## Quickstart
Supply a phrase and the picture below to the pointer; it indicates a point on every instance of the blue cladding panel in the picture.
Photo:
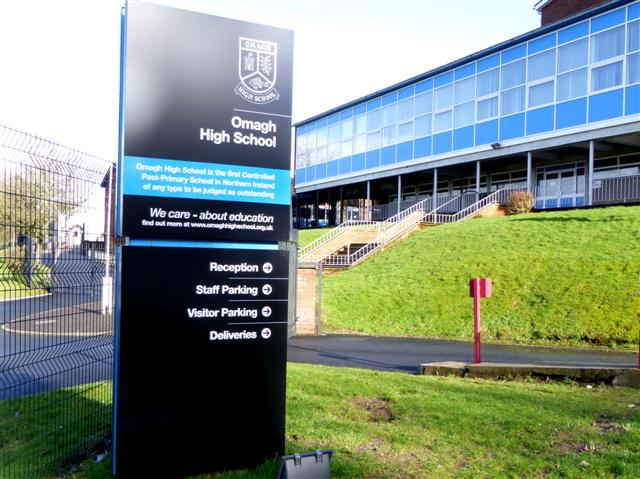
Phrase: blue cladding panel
(442, 142)
(540, 120)
(321, 171)
(579, 200)
(373, 159)
(632, 102)
(607, 20)
(422, 147)
(573, 33)
(346, 114)
(301, 130)
(322, 122)
(333, 168)
(345, 165)
(360, 109)
(487, 132)
(425, 85)
(335, 118)
(514, 53)
(542, 43)
(311, 173)
(489, 63)
(373, 104)
(388, 155)
(405, 92)
(605, 105)
(405, 151)
(571, 113)
(357, 162)
(551, 204)
(465, 71)
(443, 79)
(390, 98)
(300, 175)
(634, 12)
(512, 126)
(463, 138)
(311, 126)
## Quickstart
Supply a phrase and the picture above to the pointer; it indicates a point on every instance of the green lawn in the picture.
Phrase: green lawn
(307, 236)
(14, 285)
(393, 425)
(567, 278)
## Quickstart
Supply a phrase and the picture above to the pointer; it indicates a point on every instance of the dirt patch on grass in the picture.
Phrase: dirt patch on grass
(379, 409)
(606, 424)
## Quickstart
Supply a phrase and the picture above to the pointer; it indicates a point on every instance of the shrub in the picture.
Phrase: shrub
(520, 202)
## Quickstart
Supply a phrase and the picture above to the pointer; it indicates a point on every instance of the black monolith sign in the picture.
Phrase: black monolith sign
(202, 296)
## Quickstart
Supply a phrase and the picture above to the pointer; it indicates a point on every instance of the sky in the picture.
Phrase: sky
(60, 59)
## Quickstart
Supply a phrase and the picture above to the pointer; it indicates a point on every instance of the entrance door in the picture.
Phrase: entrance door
(560, 188)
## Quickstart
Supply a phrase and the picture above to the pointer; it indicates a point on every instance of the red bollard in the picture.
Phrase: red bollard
(480, 288)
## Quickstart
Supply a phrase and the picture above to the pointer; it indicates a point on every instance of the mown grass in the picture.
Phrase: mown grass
(569, 278)
(447, 427)
(14, 284)
(307, 236)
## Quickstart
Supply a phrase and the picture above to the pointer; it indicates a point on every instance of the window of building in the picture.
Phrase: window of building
(359, 144)
(405, 109)
(334, 132)
(443, 121)
(346, 148)
(607, 44)
(444, 97)
(513, 74)
(311, 140)
(373, 141)
(389, 115)
(333, 152)
(423, 126)
(322, 136)
(633, 68)
(488, 108)
(311, 156)
(322, 154)
(572, 55)
(373, 120)
(606, 76)
(488, 82)
(424, 103)
(572, 85)
(405, 131)
(463, 114)
(541, 94)
(389, 135)
(512, 101)
(360, 124)
(542, 65)
(464, 90)
(633, 36)
(346, 131)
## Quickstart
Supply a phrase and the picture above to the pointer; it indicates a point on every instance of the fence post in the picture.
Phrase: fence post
(319, 299)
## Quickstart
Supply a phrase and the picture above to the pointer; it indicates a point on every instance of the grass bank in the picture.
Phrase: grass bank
(14, 284)
(395, 425)
(567, 278)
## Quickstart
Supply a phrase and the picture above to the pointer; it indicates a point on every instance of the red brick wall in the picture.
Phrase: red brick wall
(559, 9)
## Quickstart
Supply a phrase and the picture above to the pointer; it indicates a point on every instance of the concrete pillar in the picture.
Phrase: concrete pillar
(316, 208)
(589, 175)
(399, 192)
(529, 172)
(434, 202)
(477, 180)
(341, 206)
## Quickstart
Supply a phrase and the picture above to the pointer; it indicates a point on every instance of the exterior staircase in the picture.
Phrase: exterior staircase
(354, 241)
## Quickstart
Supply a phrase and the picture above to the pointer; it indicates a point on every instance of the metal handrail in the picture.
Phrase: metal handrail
(330, 235)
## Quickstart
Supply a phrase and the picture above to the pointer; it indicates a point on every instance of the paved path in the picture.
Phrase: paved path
(406, 354)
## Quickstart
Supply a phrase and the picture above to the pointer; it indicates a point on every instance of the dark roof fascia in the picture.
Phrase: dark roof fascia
(473, 57)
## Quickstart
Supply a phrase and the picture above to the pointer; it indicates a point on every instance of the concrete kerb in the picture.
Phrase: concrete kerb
(614, 376)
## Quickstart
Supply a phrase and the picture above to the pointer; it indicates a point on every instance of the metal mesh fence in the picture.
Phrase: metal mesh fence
(56, 338)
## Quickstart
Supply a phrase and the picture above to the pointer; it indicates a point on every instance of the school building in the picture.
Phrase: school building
(556, 110)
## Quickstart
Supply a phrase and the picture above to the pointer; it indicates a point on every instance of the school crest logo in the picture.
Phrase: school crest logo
(257, 70)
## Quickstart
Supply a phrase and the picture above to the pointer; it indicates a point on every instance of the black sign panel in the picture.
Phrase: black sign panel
(201, 360)
(207, 121)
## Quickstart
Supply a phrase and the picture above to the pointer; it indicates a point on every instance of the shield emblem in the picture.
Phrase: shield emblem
(257, 65)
